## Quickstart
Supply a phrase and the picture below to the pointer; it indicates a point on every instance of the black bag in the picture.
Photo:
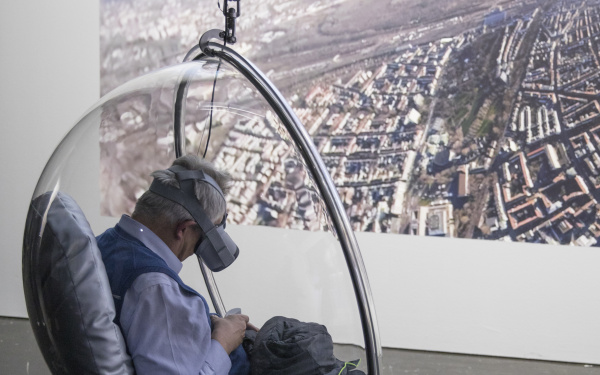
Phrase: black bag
(286, 346)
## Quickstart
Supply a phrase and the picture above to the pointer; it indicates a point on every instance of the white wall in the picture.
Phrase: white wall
(433, 294)
(486, 297)
(49, 75)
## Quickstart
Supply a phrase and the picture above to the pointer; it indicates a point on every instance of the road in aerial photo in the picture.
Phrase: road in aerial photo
(470, 119)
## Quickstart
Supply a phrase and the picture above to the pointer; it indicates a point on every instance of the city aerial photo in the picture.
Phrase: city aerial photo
(470, 119)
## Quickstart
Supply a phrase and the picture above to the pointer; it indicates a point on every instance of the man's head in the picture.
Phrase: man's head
(166, 212)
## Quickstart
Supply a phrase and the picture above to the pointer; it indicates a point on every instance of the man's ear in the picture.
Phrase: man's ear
(182, 227)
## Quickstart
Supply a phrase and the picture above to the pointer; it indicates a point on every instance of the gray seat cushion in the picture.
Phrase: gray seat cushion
(67, 292)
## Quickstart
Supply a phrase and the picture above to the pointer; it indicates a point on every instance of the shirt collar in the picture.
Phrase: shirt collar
(151, 240)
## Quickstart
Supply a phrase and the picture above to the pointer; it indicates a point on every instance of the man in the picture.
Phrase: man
(166, 323)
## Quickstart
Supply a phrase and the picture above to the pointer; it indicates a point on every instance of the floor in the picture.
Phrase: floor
(19, 354)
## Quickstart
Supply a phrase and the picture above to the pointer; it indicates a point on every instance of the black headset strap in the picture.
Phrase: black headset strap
(190, 204)
(188, 177)
(186, 196)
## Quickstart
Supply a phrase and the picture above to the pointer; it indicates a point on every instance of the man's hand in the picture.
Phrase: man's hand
(230, 331)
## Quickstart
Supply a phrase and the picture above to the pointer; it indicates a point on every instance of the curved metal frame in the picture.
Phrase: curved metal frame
(323, 180)
(179, 144)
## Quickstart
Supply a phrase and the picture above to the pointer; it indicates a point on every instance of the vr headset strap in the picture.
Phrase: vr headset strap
(193, 207)
(186, 176)
(189, 203)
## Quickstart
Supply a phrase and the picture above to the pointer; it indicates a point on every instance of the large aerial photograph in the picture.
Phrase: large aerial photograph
(473, 119)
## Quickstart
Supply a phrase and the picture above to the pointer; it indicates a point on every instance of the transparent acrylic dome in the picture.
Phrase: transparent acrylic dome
(291, 262)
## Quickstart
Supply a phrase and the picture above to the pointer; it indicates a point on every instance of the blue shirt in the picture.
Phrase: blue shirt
(166, 330)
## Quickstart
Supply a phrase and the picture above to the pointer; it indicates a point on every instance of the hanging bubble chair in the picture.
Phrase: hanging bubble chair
(298, 255)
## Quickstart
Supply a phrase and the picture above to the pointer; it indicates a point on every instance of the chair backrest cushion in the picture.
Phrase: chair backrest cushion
(68, 295)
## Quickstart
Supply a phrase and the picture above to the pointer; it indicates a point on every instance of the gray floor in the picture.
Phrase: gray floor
(19, 354)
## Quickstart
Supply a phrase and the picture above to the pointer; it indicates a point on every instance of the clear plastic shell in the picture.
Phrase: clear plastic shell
(291, 262)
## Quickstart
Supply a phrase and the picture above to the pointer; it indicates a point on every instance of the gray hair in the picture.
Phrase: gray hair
(154, 208)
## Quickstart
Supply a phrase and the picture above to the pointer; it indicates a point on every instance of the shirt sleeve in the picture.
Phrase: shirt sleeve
(167, 330)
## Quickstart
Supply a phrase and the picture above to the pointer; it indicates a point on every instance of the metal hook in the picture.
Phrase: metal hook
(230, 15)
(207, 37)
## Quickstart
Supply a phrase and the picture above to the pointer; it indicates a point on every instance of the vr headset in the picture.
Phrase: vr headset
(217, 250)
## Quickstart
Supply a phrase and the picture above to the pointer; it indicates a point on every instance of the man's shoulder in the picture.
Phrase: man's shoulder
(116, 236)
(126, 251)
(126, 260)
